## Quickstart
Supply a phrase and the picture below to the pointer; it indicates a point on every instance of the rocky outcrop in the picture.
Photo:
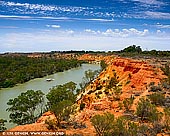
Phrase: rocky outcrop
(133, 76)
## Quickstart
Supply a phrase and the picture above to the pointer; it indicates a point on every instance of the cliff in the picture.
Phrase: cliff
(132, 77)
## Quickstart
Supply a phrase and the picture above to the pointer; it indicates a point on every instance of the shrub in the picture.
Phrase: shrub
(147, 111)
(127, 103)
(103, 123)
(2, 125)
(82, 106)
(51, 124)
(117, 92)
(167, 118)
(155, 88)
(79, 125)
(157, 99)
(106, 125)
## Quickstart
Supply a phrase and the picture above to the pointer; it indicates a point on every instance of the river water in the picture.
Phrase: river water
(75, 75)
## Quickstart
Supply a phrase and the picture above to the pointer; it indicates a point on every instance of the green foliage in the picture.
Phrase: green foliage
(154, 88)
(82, 106)
(167, 118)
(146, 111)
(107, 125)
(166, 70)
(124, 127)
(103, 64)
(27, 107)
(89, 76)
(115, 87)
(60, 93)
(127, 103)
(157, 98)
(112, 83)
(51, 124)
(133, 48)
(71, 86)
(21, 69)
(62, 111)
(117, 92)
(103, 123)
(60, 101)
(2, 125)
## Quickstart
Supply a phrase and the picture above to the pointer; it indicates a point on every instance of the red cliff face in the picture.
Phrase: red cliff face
(133, 76)
(138, 74)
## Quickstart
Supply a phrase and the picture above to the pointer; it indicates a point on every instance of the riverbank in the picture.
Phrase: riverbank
(20, 69)
(74, 74)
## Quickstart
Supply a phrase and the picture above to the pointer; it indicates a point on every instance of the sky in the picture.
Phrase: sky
(99, 25)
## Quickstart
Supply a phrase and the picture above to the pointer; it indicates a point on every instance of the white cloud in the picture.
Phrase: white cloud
(54, 18)
(54, 10)
(158, 31)
(151, 2)
(91, 31)
(162, 26)
(53, 26)
(98, 19)
(157, 15)
(66, 40)
(119, 33)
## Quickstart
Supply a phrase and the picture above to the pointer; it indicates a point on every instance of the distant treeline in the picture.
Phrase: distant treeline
(136, 50)
(14, 70)
(128, 51)
(78, 52)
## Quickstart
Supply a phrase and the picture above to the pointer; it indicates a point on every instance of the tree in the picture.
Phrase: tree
(115, 87)
(89, 76)
(107, 125)
(157, 98)
(166, 70)
(60, 101)
(124, 127)
(71, 86)
(103, 64)
(27, 107)
(132, 49)
(167, 118)
(147, 111)
(128, 103)
(62, 111)
(22, 68)
(112, 83)
(103, 123)
(2, 125)
(58, 94)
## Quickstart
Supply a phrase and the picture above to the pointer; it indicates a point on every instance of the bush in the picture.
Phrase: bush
(155, 89)
(51, 124)
(157, 99)
(27, 107)
(82, 106)
(128, 103)
(147, 111)
(167, 118)
(103, 123)
(2, 125)
(106, 125)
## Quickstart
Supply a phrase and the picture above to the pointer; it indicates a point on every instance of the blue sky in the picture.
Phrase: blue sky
(34, 25)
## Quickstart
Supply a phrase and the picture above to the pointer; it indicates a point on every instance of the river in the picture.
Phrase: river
(74, 74)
